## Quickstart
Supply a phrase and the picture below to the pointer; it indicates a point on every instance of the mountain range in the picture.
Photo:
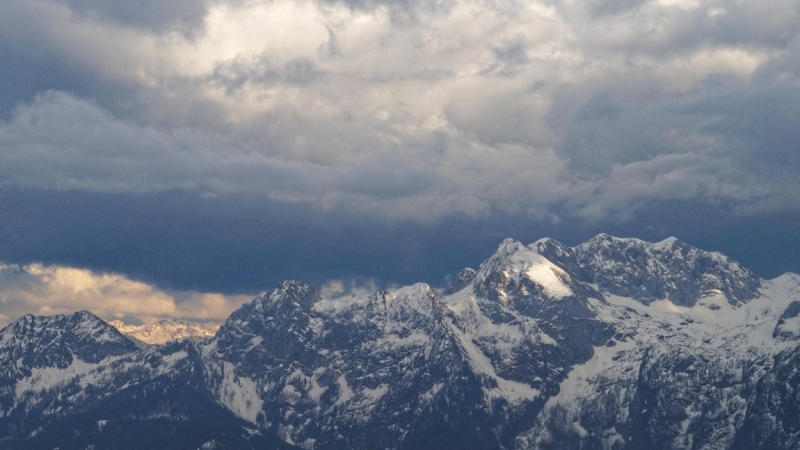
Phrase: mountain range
(612, 344)
(166, 330)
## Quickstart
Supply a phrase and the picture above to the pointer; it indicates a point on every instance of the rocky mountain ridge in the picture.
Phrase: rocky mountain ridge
(166, 330)
(612, 344)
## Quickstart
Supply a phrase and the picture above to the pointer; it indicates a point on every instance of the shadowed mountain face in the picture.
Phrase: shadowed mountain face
(613, 344)
(80, 383)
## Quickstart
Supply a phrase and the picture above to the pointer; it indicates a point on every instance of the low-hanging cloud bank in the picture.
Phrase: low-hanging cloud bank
(47, 290)
(415, 110)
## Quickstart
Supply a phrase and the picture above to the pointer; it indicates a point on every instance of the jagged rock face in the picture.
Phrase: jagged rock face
(773, 416)
(272, 328)
(686, 399)
(645, 271)
(522, 293)
(153, 398)
(376, 369)
(462, 280)
(335, 371)
(788, 326)
(613, 344)
(34, 348)
(691, 378)
(41, 342)
(672, 400)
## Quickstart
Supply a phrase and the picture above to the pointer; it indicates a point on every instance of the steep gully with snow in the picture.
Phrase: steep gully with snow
(613, 344)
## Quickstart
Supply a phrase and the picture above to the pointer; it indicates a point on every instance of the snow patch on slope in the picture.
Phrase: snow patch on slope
(711, 328)
(582, 379)
(345, 392)
(240, 394)
(545, 273)
(514, 392)
(47, 378)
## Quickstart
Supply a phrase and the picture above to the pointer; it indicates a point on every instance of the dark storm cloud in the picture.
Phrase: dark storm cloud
(227, 145)
(759, 126)
(731, 132)
(382, 181)
(233, 244)
(62, 142)
(243, 245)
(24, 74)
(326, 131)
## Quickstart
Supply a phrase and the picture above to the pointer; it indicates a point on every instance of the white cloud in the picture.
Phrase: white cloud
(342, 288)
(47, 290)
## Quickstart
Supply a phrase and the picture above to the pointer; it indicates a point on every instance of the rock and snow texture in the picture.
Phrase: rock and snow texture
(613, 344)
(681, 372)
(788, 326)
(57, 342)
(166, 330)
(339, 373)
(669, 269)
(74, 382)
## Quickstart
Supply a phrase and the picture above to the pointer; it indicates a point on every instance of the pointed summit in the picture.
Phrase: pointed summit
(514, 265)
(289, 295)
(33, 342)
(274, 326)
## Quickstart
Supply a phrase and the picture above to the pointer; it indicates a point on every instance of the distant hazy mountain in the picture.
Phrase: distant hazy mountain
(166, 330)
(613, 344)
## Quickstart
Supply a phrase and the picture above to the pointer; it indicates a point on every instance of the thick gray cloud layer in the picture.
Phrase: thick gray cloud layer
(402, 112)
(461, 108)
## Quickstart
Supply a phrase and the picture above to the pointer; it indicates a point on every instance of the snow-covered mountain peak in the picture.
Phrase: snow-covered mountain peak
(288, 295)
(611, 247)
(420, 297)
(74, 329)
(508, 246)
(513, 266)
(269, 328)
(786, 279)
(616, 344)
(669, 242)
(668, 269)
(33, 342)
(548, 246)
(166, 330)
(607, 239)
(290, 303)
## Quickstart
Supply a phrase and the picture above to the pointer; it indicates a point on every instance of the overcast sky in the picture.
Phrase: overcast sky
(197, 152)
